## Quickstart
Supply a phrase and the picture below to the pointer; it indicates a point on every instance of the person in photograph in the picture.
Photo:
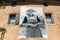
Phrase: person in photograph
(33, 24)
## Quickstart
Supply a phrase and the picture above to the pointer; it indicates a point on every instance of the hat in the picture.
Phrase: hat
(31, 10)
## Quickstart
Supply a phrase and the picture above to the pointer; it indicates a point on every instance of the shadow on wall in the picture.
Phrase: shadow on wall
(2, 30)
(4, 3)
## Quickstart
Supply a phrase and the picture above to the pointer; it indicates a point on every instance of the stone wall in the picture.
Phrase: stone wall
(12, 30)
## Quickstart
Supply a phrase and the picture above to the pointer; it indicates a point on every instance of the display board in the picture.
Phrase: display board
(32, 23)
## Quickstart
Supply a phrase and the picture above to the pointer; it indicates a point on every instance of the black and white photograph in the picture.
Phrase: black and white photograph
(32, 23)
